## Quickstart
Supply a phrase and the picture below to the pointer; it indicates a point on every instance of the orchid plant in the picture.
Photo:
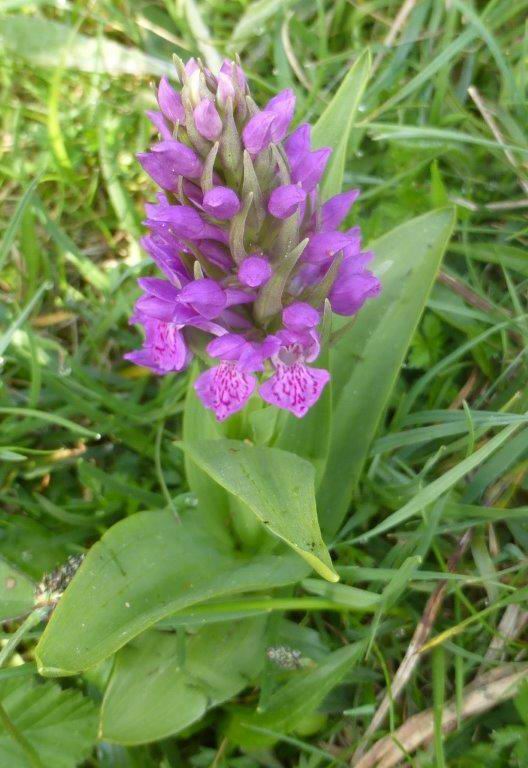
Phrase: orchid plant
(257, 280)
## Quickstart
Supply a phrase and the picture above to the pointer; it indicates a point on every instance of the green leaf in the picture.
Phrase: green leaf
(301, 695)
(277, 486)
(59, 726)
(158, 687)
(145, 568)
(48, 44)
(17, 592)
(334, 127)
(367, 359)
(16, 219)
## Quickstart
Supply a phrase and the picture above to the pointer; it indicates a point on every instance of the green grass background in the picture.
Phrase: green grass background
(86, 439)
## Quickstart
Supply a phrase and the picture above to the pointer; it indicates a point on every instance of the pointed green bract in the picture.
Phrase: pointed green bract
(276, 485)
(367, 359)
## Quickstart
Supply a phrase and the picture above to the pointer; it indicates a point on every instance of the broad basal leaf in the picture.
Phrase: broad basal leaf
(59, 726)
(17, 592)
(145, 568)
(276, 485)
(367, 359)
(160, 686)
(334, 127)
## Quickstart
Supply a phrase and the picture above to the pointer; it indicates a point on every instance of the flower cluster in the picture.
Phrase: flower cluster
(249, 253)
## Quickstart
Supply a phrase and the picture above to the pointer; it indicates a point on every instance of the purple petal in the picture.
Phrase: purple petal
(300, 316)
(294, 387)
(216, 253)
(226, 347)
(297, 145)
(285, 201)
(191, 67)
(234, 72)
(185, 221)
(324, 245)
(156, 308)
(170, 102)
(236, 296)
(205, 296)
(309, 168)
(221, 202)
(167, 345)
(166, 259)
(353, 286)
(225, 89)
(282, 106)
(254, 271)
(224, 389)
(182, 159)
(254, 354)
(162, 289)
(257, 133)
(207, 120)
(159, 122)
(334, 210)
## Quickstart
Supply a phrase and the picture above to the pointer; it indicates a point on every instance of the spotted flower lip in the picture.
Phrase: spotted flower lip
(249, 256)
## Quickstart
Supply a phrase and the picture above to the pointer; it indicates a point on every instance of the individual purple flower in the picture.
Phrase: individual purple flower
(207, 120)
(254, 271)
(285, 201)
(251, 258)
(221, 202)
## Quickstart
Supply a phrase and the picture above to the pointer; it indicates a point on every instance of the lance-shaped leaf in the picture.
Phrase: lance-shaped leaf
(334, 127)
(276, 485)
(160, 685)
(145, 568)
(368, 357)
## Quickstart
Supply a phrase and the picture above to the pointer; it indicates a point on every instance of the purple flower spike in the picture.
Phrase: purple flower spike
(224, 389)
(221, 202)
(207, 120)
(241, 196)
(254, 271)
(285, 201)
(170, 102)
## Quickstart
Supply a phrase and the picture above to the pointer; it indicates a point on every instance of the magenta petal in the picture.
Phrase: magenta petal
(180, 159)
(185, 221)
(352, 289)
(285, 201)
(159, 122)
(207, 120)
(205, 296)
(224, 389)
(226, 347)
(309, 168)
(167, 346)
(300, 316)
(221, 202)
(297, 145)
(334, 210)
(254, 271)
(225, 89)
(257, 133)
(282, 106)
(294, 387)
(170, 102)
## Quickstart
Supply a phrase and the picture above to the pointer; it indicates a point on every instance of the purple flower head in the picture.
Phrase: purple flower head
(247, 252)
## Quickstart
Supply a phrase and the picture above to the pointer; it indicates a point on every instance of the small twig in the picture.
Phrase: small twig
(290, 54)
(412, 655)
(512, 623)
(465, 392)
(395, 29)
(485, 692)
(494, 128)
